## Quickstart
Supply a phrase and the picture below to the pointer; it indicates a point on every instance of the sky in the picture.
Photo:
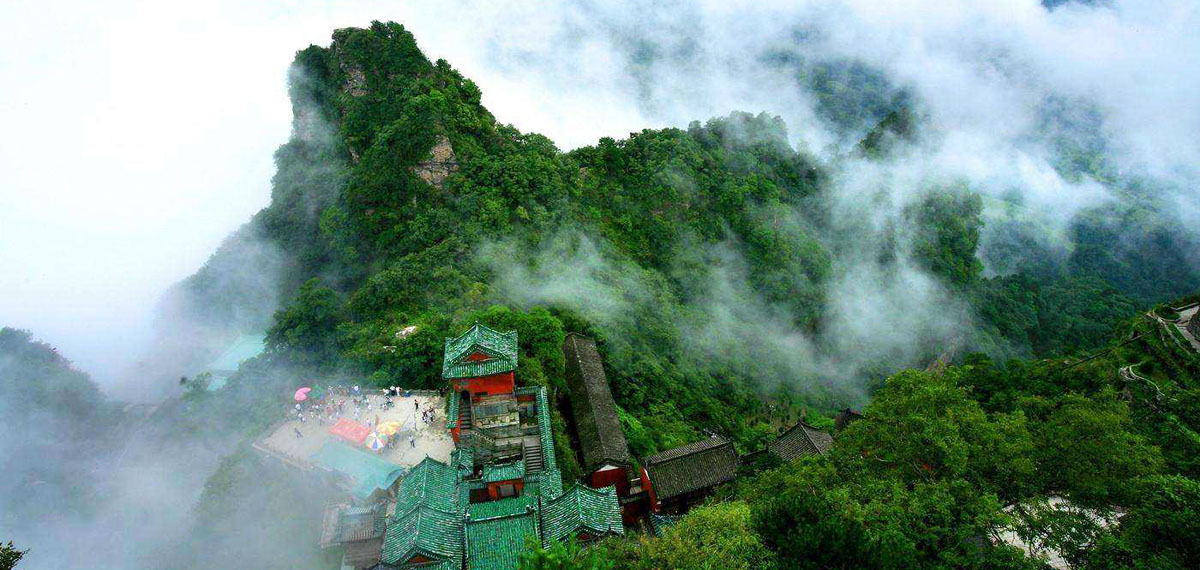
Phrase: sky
(137, 134)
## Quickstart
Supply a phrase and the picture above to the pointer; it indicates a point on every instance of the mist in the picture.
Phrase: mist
(139, 140)
(174, 165)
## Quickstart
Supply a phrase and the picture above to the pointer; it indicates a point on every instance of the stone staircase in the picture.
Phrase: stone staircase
(533, 457)
(464, 414)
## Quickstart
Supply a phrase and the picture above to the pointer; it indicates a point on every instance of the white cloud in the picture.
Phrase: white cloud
(138, 134)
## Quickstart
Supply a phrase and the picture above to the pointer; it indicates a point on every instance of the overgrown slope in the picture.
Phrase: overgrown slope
(701, 258)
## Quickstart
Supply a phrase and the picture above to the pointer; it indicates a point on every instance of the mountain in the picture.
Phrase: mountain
(1015, 377)
(708, 260)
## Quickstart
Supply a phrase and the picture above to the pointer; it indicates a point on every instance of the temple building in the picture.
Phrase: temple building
(845, 418)
(605, 455)
(500, 489)
(244, 348)
(798, 441)
(679, 478)
(358, 529)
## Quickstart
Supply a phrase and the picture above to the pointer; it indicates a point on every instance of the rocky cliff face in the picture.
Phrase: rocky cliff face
(441, 164)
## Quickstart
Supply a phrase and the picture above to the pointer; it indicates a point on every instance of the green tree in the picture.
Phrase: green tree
(10, 556)
(923, 427)
(1085, 448)
(563, 556)
(306, 330)
(711, 537)
(947, 224)
(1161, 532)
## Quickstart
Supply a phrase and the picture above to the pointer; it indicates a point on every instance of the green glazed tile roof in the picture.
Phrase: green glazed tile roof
(423, 531)
(244, 348)
(366, 472)
(493, 473)
(446, 564)
(500, 347)
(463, 459)
(452, 403)
(358, 523)
(546, 434)
(430, 483)
(497, 543)
(582, 509)
(547, 484)
(502, 508)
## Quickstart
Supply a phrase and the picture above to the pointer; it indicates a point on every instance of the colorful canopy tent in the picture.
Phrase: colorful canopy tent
(376, 442)
(244, 348)
(366, 473)
(350, 431)
(302, 394)
(388, 428)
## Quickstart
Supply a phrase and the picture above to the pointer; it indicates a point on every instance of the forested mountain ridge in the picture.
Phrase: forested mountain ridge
(400, 201)
(725, 275)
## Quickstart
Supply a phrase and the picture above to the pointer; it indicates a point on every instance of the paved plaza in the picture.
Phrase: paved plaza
(431, 439)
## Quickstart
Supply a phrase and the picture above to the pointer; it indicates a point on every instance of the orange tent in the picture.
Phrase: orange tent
(351, 431)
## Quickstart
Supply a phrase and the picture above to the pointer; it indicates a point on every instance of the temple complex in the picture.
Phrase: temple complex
(478, 486)
(500, 491)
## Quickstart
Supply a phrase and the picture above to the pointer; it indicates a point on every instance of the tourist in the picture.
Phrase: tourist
(298, 434)
(412, 442)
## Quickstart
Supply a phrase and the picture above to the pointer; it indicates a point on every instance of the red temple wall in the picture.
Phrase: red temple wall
(616, 477)
(502, 383)
(650, 489)
(493, 489)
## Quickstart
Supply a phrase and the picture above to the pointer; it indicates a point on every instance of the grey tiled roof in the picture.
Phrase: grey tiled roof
(592, 404)
(695, 466)
(800, 440)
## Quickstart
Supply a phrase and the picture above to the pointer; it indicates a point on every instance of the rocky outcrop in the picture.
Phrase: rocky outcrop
(356, 81)
(440, 165)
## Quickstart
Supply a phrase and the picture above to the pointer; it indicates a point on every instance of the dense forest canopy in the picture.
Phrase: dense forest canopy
(736, 282)
(709, 261)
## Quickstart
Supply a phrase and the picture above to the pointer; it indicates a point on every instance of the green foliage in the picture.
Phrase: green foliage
(1052, 316)
(710, 537)
(353, 203)
(924, 427)
(288, 509)
(672, 218)
(10, 556)
(563, 556)
(48, 404)
(1162, 531)
(305, 330)
(1140, 250)
(948, 225)
(1075, 434)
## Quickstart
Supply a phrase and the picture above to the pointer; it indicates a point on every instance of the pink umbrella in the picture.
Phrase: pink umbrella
(302, 394)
